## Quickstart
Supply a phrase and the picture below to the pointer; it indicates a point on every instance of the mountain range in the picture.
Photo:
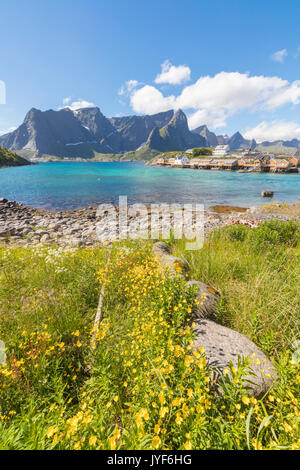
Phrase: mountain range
(87, 133)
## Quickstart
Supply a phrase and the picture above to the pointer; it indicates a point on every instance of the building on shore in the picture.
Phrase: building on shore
(194, 162)
(181, 159)
(280, 163)
(255, 162)
(162, 161)
(224, 163)
(221, 151)
(249, 153)
(295, 161)
(205, 163)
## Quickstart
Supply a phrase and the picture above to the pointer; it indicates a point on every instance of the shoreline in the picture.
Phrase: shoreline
(236, 169)
(23, 225)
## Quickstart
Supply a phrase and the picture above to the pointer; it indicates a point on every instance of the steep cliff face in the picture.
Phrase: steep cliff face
(175, 135)
(237, 142)
(46, 132)
(65, 132)
(81, 133)
(135, 130)
(210, 138)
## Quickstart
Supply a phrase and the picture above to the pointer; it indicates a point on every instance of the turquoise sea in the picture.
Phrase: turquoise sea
(69, 185)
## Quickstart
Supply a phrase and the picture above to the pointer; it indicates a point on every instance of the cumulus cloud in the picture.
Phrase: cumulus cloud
(67, 100)
(173, 75)
(128, 88)
(297, 53)
(79, 104)
(279, 56)
(215, 98)
(7, 130)
(274, 130)
(149, 100)
(214, 118)
(2, 92)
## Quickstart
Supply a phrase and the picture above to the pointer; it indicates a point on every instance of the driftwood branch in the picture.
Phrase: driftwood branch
(98, 317)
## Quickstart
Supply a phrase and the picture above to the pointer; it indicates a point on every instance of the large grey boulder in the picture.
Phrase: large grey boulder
(222, 345)
(161, 248)
(207, 300)
(171, 265)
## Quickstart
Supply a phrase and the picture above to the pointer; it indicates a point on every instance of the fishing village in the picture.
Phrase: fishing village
(247, 160)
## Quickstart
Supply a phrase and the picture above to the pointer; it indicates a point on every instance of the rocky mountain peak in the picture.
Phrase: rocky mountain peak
(179, 119)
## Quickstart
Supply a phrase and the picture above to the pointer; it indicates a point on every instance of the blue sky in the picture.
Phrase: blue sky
(234, 64)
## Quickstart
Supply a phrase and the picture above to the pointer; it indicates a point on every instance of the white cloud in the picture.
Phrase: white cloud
(128, 88)
(149, 100)
(214, 118)
(215, 98)
(2, 92)
(279, 56)
(67, 100)
(274, 130)
(297, 53)
(7, 130)
(79, 104)
(172, 74)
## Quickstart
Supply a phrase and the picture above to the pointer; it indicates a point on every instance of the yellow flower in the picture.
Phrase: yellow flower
(117, 433)
(245, 400)
(163, 411)
(178, 419)
(92, 440)
(112, 443)
(188, 361)
(157, 429)
(187, 445)
(287, 427)
(156, 442)
(51, 431)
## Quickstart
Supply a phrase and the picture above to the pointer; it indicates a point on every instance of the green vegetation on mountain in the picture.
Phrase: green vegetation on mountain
(142, 154)
(8, 158)
(202, 151)
(276, 148)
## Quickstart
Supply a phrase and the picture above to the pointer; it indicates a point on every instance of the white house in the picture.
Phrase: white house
(181, 160)
(221, 151)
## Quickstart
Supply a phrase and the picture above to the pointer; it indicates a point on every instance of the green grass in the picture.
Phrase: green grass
(141, 387)
(257, 273)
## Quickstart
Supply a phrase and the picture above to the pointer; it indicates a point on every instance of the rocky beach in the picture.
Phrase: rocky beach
(26, 226)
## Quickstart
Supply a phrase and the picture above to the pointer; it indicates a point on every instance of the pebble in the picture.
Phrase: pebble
(87, 228)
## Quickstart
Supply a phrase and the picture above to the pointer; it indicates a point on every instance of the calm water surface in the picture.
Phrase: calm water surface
(69, 185)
